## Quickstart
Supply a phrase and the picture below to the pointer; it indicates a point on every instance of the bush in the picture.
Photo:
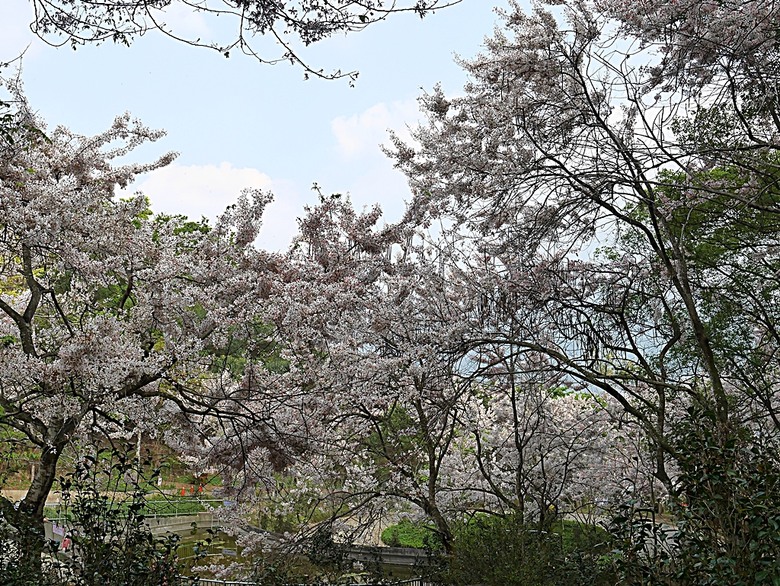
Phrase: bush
(578, 537)
(497, 551)
(727, 515)
(109, 542)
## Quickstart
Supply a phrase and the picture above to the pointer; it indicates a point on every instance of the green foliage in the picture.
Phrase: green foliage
(407, 533)
(577, 536)
(704, 213)
(397, 437)
(727, 517)
(109, 542)
(499, 551)
(16, 454)
(249, 344)
(326, 553)
(723, 221)
(179, 225)
(16, 128)
(274, 570)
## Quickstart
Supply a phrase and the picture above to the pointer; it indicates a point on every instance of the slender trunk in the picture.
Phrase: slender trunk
(28, 520)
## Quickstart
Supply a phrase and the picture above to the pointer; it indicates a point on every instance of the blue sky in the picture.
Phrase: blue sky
(238, 124)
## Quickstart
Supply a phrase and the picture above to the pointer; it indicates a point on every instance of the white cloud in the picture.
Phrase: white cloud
(358, 137)
(197, 191)
(361, 134)
(206, 190)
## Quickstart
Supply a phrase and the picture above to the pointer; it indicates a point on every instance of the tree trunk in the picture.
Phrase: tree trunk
(28, 519)
(442, 527)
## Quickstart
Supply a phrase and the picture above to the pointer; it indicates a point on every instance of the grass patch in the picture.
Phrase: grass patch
(162, 506)
(573, 535)
(576, 536)
(411, 534)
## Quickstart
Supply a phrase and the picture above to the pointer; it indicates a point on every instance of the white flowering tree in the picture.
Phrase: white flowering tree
(387, 398)
(607, 185)
(538, 445)
(108, 315)
(366, 405)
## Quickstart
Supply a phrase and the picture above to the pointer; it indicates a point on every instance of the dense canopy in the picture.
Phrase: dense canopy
(576, 318)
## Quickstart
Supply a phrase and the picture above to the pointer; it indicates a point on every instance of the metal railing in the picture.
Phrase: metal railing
(170, 508)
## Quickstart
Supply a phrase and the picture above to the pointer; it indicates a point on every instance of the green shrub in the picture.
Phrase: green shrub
(109, 541)
(576, 536)
(727, 528)
(498, 551)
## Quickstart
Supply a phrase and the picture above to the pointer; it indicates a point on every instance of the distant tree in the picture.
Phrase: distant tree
(539, 446)
(291, 24)
(385, 403)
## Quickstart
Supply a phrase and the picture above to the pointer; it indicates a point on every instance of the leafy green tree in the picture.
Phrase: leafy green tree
(726, 521)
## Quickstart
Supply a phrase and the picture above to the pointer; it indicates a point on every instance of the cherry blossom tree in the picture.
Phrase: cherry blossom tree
(108, 314)
(624, 205)
(538, 445)
(16, 122)
(385, 403)
(607, 194)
